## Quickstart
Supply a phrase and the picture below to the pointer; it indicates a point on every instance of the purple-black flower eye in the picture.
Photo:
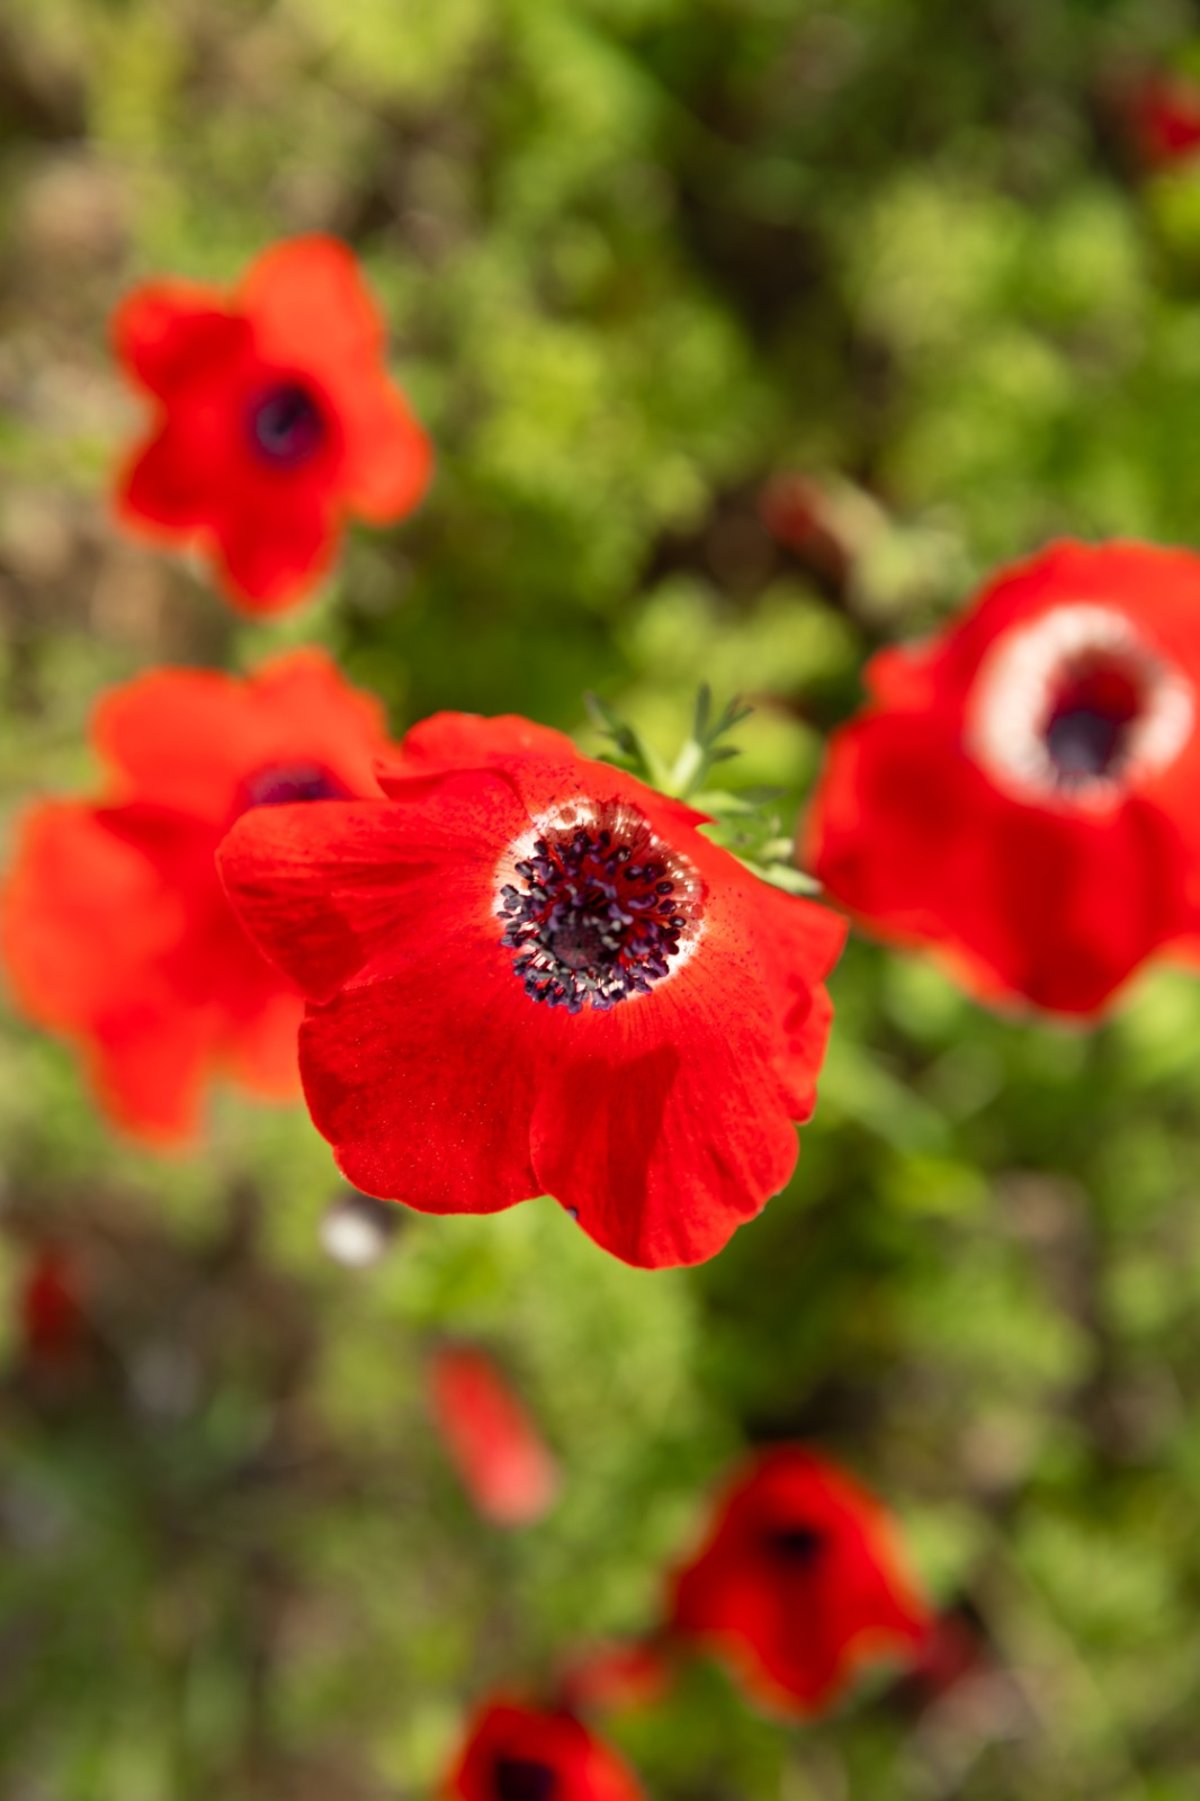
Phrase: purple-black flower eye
(523, 1779)
(283, 784)
(1090, 723)
(599, 911)
(287, 425)
(797, 1546)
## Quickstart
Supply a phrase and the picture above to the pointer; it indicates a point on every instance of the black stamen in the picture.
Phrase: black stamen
(287, 425)
(523, 1779)
(590, 925)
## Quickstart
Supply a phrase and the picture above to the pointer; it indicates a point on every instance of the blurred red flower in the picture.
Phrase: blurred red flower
(115, 929)
(516, 1753)
(276, 418)
(637, 1673)
(529, 973)
(1020, 792)
(53, 1324)
(1163, 111)
(803, 513)
(504, 1465)
(799, 1582)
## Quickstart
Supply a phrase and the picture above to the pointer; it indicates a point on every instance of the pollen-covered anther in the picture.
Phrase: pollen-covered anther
(596, 908)
(1077, 708)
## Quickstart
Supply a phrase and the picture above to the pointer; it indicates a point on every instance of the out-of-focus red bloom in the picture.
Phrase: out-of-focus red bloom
(799, 1582)
(1163, 111)
(636, 1674)
(1020, 792)
(53, 1323)
(115, 929)
(801, 513)
(504, 1465)
(516, 1753)
(954, 1652)
(529, 973)
(276, 419)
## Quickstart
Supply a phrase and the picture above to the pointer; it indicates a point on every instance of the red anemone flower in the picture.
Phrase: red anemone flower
(54, 1325)
(1020, 792)
(115, 928)
(1163, 111)
(516, 1753)
(799, 1583)
(528, 973)
(637, 1673)
(811, 518)
(498, 1452)
(276, 418)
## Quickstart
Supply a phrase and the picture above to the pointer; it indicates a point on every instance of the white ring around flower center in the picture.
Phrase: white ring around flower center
(1021, 680)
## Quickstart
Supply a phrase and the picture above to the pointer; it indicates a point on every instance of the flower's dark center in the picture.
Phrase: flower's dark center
(797, 1546)
(523, 1779)
(1091, 721)
(1076, 707)
(287, 426)
(597, 912)
(283, 784)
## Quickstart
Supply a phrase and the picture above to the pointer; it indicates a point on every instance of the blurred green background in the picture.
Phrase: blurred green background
(641, 258)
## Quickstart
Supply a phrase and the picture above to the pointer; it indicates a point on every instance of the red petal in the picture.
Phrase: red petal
(167, 486)
(422, 1074)
(467, 740)
(1054, 908)
(278, 546)
(171, 334)
(503, 1463)
(259, 1048)
(1156, 588)
(421, 1083)
(329, 891)
(148, 1063)
(389, 459)
(663, 1124)
(312, 310)
(637, 1674)
(83, 913)
(189, 738)
(543, 766)
(586, 1769)
(800, 943)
